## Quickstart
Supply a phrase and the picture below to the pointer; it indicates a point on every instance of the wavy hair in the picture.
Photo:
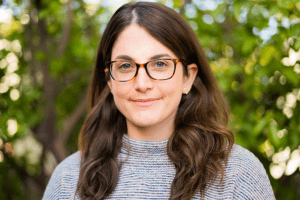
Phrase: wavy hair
(201, 143)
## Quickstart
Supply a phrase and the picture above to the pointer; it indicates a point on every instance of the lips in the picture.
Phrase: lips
(144, 102)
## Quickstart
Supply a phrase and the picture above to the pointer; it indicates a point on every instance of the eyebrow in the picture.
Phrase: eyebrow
(126, 57)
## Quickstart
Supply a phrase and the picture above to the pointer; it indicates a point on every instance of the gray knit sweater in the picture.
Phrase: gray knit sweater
(148, 174)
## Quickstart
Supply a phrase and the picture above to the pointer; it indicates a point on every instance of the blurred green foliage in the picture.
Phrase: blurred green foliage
(47, 53)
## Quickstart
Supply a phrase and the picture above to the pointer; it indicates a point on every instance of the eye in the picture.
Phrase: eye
(160, 64)
(125, 66)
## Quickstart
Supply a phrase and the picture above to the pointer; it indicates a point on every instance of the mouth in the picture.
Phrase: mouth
(145, 102)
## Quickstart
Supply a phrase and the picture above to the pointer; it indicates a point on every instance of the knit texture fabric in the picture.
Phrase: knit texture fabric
(148, 174)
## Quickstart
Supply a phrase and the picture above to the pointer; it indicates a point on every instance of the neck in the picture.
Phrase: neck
(158, 132)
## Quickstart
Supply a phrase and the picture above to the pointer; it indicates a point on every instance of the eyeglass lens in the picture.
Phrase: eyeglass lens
(157, 69)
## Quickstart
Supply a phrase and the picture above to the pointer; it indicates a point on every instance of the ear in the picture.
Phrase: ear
(188, 81)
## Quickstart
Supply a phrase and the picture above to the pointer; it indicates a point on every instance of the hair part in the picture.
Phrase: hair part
(201, 142)
(134, 17)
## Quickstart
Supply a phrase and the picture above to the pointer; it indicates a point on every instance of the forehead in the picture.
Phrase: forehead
(135, 42)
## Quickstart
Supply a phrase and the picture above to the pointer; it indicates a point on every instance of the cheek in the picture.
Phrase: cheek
(120, 92)
(176, 86)
(173, 91)
(118, 89)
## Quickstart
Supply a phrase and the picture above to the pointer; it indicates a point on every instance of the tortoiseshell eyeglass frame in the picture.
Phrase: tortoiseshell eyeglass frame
(108, 68)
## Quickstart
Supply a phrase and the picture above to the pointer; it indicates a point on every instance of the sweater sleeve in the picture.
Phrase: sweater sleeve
(252, 182)
(64, 179)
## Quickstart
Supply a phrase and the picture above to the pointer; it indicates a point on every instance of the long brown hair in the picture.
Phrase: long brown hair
(200, 144)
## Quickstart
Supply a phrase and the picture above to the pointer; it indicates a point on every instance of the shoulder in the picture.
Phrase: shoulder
(240, 158)
(247, 175)
(68, 167)
(64, 178)
(71, 162)
(242, 162)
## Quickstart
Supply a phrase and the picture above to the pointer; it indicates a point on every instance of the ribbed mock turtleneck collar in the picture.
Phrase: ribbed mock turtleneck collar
(142, 147)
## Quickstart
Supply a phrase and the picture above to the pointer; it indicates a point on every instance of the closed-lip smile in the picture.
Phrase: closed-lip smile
(145, 102)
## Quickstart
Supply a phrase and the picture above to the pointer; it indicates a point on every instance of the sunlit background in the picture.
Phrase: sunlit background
(253, 49)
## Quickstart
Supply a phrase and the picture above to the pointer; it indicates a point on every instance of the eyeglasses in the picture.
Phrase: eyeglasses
(159, 69)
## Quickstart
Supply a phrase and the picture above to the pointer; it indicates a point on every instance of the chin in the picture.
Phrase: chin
(144, 122)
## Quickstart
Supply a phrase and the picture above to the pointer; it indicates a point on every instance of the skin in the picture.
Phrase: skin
(148, 105)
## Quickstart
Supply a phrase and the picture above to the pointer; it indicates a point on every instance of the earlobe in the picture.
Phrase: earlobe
(186, 90)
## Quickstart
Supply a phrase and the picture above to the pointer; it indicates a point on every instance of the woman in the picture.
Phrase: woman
(157, 122)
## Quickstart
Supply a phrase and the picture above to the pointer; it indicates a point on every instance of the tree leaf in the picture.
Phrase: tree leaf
(260, 126)
(267, 55)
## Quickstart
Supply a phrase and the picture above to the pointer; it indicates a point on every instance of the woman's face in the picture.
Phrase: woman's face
(143, 101)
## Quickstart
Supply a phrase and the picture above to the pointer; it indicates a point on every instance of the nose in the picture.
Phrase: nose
(142, 81)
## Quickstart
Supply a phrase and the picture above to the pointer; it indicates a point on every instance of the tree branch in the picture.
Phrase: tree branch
(183, 6)
(46, 131)
(69, 79)
(32, 63)
(66, 30)
(71, 122)
(39, 182)
(228, 25)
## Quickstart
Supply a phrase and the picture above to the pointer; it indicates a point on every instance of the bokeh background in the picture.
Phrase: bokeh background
(48, 50)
